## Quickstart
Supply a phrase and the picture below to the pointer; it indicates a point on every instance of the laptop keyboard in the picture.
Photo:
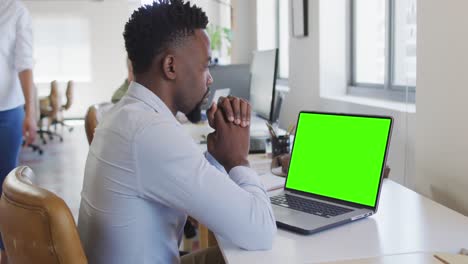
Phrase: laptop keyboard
(308, 206)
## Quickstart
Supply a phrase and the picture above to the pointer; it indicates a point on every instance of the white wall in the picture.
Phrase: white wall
(244, 31)
(442, 120)
(107, 19)
(318, 79)
(332, 43)
(304, 81)
(108, 66)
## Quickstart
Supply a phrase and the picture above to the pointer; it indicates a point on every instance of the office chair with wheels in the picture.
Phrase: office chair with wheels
(92, 118)
(36, 225)
(59, 119)
(34, 148)
(48, 108)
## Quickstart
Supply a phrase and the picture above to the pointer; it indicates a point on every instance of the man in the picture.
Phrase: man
(17, 93)
(144, 173)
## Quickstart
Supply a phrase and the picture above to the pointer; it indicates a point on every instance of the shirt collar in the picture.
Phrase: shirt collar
(143, 94)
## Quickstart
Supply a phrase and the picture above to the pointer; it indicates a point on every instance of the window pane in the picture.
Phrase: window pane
(369, 41)
(283, 39)
(405, 43)
(62, 49)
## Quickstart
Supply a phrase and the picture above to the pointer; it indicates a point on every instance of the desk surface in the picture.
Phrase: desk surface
(405, 223)
(200, 130)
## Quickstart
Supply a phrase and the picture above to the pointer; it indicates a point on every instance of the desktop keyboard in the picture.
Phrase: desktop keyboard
(257, 145)
(308, 206)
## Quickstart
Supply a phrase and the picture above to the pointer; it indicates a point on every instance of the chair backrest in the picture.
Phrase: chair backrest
(69, 95)
(36, 225)
(90, 123)
(54, 100)
(49, 106)
(93, 116)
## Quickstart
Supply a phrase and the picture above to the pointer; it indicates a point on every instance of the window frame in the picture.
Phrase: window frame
(387, 90)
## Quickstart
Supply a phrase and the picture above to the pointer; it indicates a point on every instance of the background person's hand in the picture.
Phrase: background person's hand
(229, 143)
(29, 130)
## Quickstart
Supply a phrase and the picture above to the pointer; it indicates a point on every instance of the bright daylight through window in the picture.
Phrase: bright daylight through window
(383, 49)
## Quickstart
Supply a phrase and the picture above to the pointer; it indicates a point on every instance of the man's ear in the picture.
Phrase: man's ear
(168, 67)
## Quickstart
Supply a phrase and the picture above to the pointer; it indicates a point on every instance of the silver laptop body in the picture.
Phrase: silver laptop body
(331, 212)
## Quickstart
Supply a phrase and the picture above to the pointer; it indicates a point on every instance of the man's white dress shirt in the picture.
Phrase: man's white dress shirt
(15, 51)
(144, 175)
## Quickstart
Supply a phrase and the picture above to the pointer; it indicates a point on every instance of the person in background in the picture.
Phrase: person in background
(17, 106)
(122, 90)
(144, 173)
(69, 95)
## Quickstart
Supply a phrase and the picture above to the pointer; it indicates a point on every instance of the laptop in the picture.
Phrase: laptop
(335, 173)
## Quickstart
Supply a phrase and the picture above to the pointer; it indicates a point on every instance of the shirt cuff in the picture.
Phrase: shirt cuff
(214, 162)
(245, 176)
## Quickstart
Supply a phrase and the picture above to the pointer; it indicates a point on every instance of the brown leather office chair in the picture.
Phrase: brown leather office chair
(92, 117)
(69, 95)
(49, 109)
(36, 225)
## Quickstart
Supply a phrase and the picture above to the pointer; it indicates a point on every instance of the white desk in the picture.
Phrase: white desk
(199, 130)
(406, 222)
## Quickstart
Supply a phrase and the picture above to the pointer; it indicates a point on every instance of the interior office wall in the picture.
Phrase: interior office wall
(244, 31)
(106, 19)
(304, 81)
(108, 66)
(318, 80)
(441, 125)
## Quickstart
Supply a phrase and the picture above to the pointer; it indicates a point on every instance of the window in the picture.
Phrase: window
(273, 31)
(62, 49)
(383, 49)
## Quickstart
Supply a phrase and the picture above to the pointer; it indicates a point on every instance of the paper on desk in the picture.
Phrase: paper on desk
(272, 182)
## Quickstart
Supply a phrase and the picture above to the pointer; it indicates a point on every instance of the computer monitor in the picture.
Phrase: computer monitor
(236, 77)
(262, 83)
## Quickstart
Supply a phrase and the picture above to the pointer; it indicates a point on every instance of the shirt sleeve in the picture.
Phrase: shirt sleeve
(173, 171)
(24, 42)
(214, 162)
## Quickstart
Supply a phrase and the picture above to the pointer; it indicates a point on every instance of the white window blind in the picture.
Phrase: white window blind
(62, 49)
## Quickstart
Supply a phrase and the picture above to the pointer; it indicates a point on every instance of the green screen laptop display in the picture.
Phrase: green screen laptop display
(339, 156)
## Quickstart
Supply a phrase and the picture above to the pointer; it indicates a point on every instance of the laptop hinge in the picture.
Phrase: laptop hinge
(326, 199)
